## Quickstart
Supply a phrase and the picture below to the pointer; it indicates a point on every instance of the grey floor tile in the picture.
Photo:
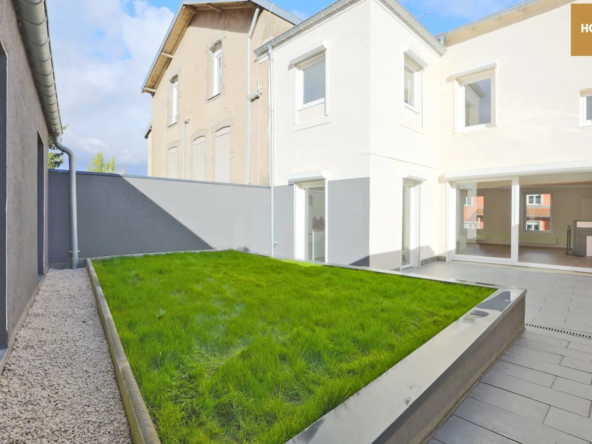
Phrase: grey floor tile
(546, 339)
(435, 441)
(546, 317)
(565, 326)
(525, 373)
(531, 310)
(577, 364)
(511, 402)
(534, 301)
(582, 310)
(538, 393)
(583, 292)
(563, 351)
(537, 294)
(580, 347)
(573, 388)
(552, 369)
(458, 431)
(516, 350)
(569, 423)
(512, 426)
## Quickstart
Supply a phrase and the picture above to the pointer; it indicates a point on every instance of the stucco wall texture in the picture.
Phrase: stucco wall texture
(22, 131)
(192, 64)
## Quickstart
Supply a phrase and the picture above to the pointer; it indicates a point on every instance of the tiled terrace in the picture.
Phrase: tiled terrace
(540, 390)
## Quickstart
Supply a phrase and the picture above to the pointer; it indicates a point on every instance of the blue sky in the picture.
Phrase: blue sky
(103, 49)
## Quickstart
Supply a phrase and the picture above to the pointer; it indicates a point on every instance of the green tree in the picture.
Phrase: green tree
(55, 158)
(98, 164)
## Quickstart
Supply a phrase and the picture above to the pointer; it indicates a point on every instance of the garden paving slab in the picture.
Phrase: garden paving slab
(569, 423)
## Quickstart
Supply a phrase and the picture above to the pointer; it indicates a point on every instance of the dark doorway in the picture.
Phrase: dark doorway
(41, 167)
(3, 173)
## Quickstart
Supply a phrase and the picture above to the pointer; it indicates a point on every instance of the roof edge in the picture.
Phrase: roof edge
(265, 4)
(393, 5)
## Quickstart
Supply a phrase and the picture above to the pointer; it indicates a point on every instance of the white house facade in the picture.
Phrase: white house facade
(393, 148)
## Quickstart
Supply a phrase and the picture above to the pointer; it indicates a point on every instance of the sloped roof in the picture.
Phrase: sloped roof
(181, 20)
(393, 5)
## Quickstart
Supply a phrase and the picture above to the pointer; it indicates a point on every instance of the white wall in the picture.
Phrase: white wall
(401, 140)
(538, 95)
(339, 144)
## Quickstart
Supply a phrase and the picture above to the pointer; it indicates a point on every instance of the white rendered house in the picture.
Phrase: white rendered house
(393, 148)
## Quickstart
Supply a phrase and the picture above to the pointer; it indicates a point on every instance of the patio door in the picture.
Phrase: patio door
(310, 223)
(484, 219)
(410, 225)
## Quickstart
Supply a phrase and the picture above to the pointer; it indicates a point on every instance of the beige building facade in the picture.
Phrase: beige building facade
(201, 93)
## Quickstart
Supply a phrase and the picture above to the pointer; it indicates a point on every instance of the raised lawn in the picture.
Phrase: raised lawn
(229, 347)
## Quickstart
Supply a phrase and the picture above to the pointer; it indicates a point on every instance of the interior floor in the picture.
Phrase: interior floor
(534, 255)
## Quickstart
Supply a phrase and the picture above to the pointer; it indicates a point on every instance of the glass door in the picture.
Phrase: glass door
(406, 251)
(315, 224)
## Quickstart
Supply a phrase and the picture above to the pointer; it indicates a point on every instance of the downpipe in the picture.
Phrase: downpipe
(249, 97)
(73, 215)
(271, 130)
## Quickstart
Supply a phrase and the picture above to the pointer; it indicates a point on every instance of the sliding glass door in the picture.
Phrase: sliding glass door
(315, 224)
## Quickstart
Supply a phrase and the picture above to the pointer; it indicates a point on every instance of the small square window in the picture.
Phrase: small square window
(313, 82)
(475, 101)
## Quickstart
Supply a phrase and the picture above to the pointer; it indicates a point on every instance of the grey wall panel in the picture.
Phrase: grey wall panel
(284, 221)
(349, 221)
(131, 215)
(24, 123)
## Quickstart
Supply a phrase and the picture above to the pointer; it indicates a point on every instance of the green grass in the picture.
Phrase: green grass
(229, 347)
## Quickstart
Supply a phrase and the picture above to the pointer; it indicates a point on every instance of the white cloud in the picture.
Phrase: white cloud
(102, 55)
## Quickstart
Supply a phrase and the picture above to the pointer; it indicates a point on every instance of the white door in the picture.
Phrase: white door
(222, 156)
(410, 225)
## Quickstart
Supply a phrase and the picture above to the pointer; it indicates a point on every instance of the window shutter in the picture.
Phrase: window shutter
(199, 159)
(222, 156)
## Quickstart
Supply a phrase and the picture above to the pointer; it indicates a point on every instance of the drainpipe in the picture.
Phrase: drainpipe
(271, 179)
(185, 122)
(249, 97)
(73, 218)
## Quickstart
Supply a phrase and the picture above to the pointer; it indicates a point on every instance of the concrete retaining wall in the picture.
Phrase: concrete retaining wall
(120, 215)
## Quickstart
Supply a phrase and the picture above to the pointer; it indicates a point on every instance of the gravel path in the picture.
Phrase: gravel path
(59, 384)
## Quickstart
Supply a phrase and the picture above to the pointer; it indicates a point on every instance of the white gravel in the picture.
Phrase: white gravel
(59, 384)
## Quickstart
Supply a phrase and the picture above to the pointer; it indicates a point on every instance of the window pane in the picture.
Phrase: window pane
(538, 212)
(483, 215)
(478, 102)
(313, 82)
(409, 87)
(589, 108)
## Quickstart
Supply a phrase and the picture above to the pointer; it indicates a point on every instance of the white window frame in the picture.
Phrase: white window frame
(534, 196)
(174, 99)
(217, 73)
(472, 74)
(317, 58)
(417, 85)
(584, 121)
(533, 223)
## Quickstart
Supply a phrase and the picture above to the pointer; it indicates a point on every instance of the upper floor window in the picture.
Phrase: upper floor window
(217, 75)
(475, 97)
(412, 84)
(312, 81)
(537, 212)
(586, 108)
(173, 100)
(534, 199)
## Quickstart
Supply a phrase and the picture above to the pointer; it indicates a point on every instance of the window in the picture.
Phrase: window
(537, 212)
(173, 100)
(223, 156)
(199, 158)
(412, 84)
(586, 108)
(475, 102)
(217, 75)
(312, 75)
(473, 213)
(534, 199)
(172, 163)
